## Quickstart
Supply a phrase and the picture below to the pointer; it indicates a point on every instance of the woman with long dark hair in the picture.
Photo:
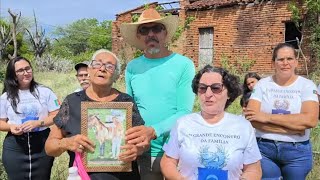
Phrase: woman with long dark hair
(250, 80)
(26, 110)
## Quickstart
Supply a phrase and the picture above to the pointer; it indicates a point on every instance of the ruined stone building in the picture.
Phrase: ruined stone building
(233, 30)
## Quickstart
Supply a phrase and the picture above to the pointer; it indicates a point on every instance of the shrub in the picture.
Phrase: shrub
(50, 63)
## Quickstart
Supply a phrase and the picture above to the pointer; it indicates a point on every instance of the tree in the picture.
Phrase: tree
(38, 40)
(82, 36)
(15, 20)
(5, 37)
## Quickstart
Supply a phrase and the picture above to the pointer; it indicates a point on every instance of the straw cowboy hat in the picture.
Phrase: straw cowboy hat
(129, 30)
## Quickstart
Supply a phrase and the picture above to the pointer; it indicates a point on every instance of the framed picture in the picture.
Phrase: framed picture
(105, 124)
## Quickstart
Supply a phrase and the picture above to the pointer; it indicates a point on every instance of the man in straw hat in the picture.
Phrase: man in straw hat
(160, 83)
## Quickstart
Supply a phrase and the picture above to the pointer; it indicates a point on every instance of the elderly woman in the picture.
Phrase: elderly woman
(212, 143)
(26, 110)
(283, 107)
(65, 135)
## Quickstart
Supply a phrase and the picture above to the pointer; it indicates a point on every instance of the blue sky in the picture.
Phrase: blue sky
(61, 12)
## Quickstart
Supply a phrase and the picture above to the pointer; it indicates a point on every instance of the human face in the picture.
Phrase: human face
(285, 62)
(212, 103)
(24, 74)
(102, 76)
(153, 36)
(251, 82)
(83, 77)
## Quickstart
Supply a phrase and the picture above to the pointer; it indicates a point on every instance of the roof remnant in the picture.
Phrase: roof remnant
(211, 4)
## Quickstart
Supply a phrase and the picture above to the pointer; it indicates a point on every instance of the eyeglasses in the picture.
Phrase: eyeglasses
(97, 65)
(144, 30)
(216, 88)
(21, 71)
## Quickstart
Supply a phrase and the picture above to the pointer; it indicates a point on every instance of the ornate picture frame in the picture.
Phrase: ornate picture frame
(105, 124)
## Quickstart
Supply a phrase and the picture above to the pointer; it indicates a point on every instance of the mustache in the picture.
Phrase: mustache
(150, 39)
(84, 82)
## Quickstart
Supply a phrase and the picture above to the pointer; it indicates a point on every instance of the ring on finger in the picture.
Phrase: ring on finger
(80, 146)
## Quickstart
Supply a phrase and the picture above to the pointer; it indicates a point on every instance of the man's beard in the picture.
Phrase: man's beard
(153, 50)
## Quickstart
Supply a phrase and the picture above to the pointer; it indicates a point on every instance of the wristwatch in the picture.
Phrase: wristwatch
(42, 123)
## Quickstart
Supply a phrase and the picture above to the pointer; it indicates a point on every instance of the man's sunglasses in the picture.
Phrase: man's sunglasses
(144, 30)
(216, 88)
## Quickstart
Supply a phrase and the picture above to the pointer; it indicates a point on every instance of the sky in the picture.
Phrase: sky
(62, 12)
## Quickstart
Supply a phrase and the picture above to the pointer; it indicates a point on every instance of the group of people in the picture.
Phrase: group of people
(167, 140)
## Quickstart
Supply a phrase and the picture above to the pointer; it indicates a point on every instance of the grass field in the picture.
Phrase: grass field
(64, 84)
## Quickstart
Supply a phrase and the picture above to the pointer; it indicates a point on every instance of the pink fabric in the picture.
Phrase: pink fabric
(81, 170)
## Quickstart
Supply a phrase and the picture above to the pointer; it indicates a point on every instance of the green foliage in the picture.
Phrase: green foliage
(135, 17)
(296, 13)
(182, 28)
(309, 15)
(241, 65)
(80, 37)
(159, 8)
(138, 53)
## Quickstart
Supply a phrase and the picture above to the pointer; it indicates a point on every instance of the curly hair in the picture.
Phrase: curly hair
(249, 75)
(231, 82)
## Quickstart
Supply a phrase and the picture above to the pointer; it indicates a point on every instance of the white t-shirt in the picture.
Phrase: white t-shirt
(223, 147)
(318, 89)
(277, 99)
(29, 107)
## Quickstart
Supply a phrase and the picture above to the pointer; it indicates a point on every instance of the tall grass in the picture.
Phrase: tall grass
(64, 84)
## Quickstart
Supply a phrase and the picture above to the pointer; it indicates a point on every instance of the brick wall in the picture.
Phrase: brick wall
(250, 31)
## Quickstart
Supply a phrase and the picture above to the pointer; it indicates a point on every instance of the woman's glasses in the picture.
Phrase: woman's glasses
(216, 88)
(21, 71)
(97, 65)
(144, 30)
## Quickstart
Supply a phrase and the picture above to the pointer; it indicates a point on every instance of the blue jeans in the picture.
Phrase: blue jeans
(287, 160)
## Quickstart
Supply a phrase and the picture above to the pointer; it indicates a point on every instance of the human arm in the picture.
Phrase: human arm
(170, 159)
(251, 156)
(139, 135)
(32, 124)
(13, 128)
(169, 168)
(4, 125)
(57, 143)
(307, 118)
(253, 112)
(184, 100)
(51, 105)
(251, 171)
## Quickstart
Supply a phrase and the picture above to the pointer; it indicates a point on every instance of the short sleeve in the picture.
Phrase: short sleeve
(62, 117)
(171, 146)
(309, 92)
(52, 101)
(252, 152)
(257, 92)
(3, 107)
